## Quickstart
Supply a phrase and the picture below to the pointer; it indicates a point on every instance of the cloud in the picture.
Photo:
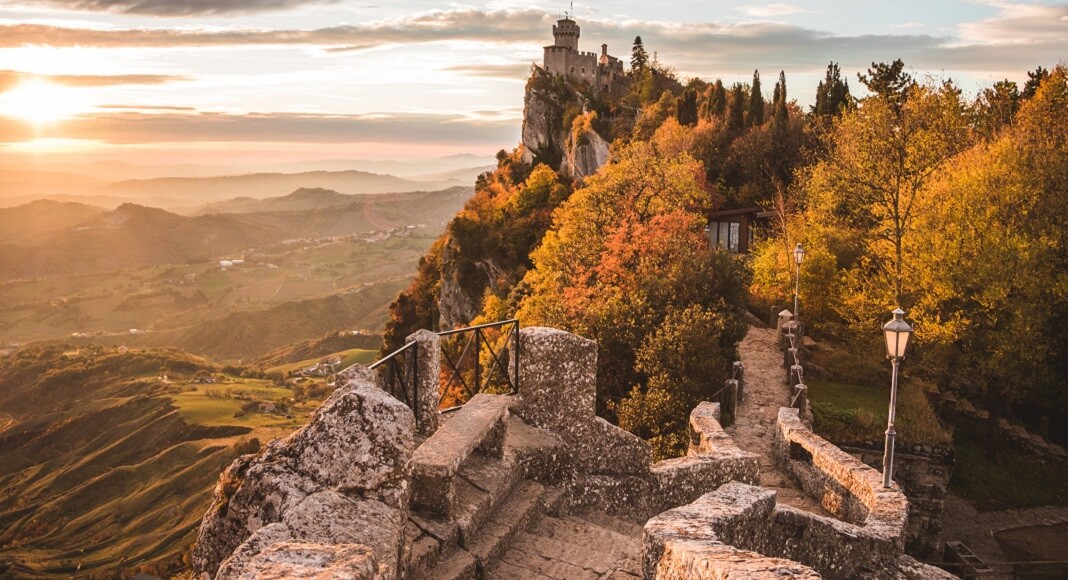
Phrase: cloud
(512, 71)
(1018, 23)
(146, 107)
(771, 10)
(1026, 35)
(135, 127)
(173, 7)
(11, 78)
(498, 26)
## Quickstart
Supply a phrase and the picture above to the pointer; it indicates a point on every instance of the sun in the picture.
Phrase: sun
(40, 102)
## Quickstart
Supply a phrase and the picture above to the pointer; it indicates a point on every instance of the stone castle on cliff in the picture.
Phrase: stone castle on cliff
(564, 57)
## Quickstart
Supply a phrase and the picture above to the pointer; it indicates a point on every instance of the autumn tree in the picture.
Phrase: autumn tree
(992, 270)
(625, 250)
(880, 157)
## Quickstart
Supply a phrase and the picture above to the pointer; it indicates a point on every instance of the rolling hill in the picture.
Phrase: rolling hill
(103, 464)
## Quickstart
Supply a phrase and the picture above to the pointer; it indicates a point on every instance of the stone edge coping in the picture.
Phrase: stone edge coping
(689, 541)
(887, 508)
(444, 451)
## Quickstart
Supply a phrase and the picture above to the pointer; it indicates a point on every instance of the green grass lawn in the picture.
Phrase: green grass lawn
(216, 404)
(845, 413)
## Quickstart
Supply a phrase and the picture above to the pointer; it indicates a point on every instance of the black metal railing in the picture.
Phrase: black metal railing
(475, 360)
(397, 372)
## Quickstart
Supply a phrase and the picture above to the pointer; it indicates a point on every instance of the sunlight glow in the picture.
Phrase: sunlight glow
(41, 102)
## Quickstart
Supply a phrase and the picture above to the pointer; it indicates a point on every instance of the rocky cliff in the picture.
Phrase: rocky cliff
(558, 130)
(299, 505)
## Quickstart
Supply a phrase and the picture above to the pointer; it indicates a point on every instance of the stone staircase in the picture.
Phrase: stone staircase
(498, 522)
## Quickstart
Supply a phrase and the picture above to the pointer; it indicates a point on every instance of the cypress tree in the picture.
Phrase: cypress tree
(686, 108)
(780, 116)
(736, 109)
(756, 103)
(717, 102)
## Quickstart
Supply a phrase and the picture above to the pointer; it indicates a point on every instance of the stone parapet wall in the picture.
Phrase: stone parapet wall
(844, 485)
(738, 531)
(705, 539)
(924, 477)
(612, 469)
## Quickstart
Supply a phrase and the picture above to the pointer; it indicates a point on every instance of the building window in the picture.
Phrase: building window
(725, 234)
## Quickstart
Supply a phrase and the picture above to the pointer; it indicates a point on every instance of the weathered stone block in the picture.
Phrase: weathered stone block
(308, 560)
(358, 441)
(356, 447)
(427, 379)
(477, 425)
(557, 378)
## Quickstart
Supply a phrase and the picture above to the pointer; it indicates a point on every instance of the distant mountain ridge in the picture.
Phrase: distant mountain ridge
(198, 190)
(81, 239)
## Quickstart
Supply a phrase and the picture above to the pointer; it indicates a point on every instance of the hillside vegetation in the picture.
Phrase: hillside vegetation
(109, 455)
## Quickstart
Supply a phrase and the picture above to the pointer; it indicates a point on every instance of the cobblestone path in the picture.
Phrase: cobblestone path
(754, 427)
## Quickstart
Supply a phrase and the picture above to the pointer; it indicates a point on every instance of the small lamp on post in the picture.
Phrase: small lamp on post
(896, 332)
(799, 256)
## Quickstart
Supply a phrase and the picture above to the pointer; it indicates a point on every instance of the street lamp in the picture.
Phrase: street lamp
(799, 256)
(897, 333)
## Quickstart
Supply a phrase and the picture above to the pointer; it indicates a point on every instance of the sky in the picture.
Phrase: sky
(269, 81)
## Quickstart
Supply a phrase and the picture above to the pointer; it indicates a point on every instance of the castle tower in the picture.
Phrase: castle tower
(566, 33)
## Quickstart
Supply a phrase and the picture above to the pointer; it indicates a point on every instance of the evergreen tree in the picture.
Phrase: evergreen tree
(832, 94)
(889, 82)
(639, 59)
(686, 108)
(780, 115)
(1034, 79)
(736, 109)
(756, 103)
(717, 103)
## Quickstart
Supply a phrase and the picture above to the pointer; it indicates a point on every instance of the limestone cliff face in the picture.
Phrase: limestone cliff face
(586, 150)
(555, 129)
(460, 297)
(455, 306)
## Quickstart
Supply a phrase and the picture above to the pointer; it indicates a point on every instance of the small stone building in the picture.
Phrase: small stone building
(564, 57)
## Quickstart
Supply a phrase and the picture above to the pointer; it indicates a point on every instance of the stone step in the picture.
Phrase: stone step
(484, 484)
(572, 547)
(483, 545)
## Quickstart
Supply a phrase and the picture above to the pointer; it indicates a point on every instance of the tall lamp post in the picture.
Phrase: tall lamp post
(799, 256)
(897, 333)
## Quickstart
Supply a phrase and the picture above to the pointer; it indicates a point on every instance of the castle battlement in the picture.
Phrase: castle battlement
(563, 57)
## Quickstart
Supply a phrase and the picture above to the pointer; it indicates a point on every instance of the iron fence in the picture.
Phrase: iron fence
(476, 361)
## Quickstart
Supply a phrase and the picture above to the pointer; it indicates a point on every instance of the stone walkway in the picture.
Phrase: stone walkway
(754, 427)
(577, 547)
